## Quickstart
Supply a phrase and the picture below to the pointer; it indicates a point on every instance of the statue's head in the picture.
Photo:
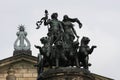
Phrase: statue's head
(21, 28)
(65, 17)
(85, 40)
(54, 15)
(44, 40)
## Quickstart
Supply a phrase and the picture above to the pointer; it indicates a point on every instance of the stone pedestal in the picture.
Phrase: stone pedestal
(19, 52)
(67, 73)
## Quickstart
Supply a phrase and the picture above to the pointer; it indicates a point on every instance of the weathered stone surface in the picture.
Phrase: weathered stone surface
(67, 73)
(19, 52)
(23, 66)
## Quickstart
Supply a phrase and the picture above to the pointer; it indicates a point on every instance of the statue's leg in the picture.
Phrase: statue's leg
(57, 62)
(63, 55)
(50, 42)
(86, 62)
(49, 49)
(77, 61)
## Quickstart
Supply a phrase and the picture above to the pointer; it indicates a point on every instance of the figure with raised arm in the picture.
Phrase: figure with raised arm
(54, 31)
(68, 27)
(21, 38)
(84, 52)
(69, 36)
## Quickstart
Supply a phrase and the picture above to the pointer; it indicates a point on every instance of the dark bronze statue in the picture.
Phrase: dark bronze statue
(84, 52)
(54, 31)
(60, 58)
(43, 58)
(61, 46)
(69, 30)
(69, 36)
(38, 23)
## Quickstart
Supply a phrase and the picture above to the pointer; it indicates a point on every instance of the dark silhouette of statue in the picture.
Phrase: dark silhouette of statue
(84, 52)
(61, 46)
(69, 36)
(60, 58)
(54, 31)
(38, 23)
(43, 59)
(69, 30)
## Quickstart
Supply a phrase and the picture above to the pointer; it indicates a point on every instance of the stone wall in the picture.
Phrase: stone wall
(26, 74)
(22, 70)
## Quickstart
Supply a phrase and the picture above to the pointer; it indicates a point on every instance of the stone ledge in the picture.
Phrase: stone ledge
(26, 79)
(19, 52)
(67, 73)
(27, 75)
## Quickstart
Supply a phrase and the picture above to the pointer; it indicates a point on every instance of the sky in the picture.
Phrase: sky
(100, 19)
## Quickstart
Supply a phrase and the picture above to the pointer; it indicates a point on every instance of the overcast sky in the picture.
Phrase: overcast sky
(100, 19)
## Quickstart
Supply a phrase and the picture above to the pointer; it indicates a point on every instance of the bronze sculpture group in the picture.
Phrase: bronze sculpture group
(60, 49)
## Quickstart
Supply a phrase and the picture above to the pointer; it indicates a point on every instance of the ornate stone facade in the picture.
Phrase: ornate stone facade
(67, 73)
(22, 65)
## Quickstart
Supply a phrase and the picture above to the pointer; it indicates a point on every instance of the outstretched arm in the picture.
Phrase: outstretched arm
(92, 48)
(46, 22)
(75, 32)
(38, 23)
(38, 47)
(76, 20)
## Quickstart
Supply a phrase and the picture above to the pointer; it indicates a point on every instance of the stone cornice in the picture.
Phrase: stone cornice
(18, 58)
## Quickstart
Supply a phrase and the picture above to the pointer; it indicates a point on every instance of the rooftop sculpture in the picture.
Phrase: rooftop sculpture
(22, 44)
(21, 38)
(61, 46)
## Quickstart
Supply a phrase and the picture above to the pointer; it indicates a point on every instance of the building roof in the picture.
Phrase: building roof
(18, 58)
